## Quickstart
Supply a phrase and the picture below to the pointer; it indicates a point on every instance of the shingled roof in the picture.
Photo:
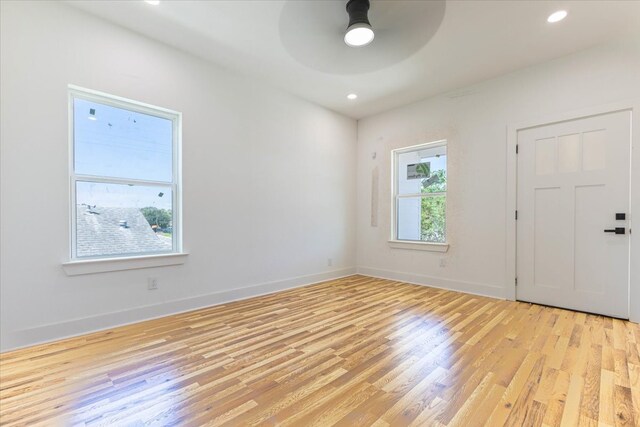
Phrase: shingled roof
(115, 231)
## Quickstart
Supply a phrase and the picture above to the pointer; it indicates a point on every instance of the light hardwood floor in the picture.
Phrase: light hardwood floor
(350, 352)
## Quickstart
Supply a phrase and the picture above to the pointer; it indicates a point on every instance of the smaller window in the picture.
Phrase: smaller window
(124, 174)
(420, 193)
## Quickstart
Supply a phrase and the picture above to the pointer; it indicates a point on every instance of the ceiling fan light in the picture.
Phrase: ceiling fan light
(359, 35)
(359, 31)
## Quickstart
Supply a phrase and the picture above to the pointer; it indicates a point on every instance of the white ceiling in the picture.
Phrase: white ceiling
(421, 48)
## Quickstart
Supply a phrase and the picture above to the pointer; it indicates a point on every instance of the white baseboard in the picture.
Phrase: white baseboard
(71, 328)
(57, 331)
(481, 289)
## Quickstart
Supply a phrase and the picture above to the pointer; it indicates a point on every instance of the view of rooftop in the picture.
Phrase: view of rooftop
(104, 231)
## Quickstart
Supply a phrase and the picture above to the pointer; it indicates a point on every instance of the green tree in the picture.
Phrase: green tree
(432, 224)
(160, 217)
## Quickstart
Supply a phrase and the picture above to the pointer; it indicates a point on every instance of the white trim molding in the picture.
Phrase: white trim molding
(56, 331)
(419, 246)
(632, 105)
(103, 265)
(475, 288)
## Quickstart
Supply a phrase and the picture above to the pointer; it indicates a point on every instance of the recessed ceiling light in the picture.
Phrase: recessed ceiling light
(359, 31)
(557, 16)
(352, 96)
(153, 2)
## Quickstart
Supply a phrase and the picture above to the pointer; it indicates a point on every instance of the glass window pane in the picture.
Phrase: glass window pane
(115, 142)
(432, 219)
(422, 219)
(116, 219)
(423, 171)
(409, 218)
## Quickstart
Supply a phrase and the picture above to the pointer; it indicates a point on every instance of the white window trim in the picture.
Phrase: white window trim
(419, 246)
(86, 265)
(394, 243)
(103, 265)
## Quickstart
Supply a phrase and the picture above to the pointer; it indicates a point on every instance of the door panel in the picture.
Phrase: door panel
(548, 271)
(590, 244)
(573, 177)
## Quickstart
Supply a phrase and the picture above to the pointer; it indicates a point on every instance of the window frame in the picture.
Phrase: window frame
(76, 92)
(394, 242)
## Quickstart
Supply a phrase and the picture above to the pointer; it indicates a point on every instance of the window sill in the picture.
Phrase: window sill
(419, 246)
(103, 265)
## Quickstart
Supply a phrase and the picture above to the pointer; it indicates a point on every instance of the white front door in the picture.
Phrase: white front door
(573, 178)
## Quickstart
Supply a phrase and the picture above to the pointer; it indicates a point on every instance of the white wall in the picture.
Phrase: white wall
(474, 120)
(274, 227)
(269, 179)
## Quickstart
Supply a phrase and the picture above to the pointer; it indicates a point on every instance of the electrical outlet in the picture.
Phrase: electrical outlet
(443, 262)
(152, 283)
(329, 262)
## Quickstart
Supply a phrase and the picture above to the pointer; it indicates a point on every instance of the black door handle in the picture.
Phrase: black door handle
(617, 230)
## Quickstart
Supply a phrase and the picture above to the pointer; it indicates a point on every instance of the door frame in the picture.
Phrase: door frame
(633, 106)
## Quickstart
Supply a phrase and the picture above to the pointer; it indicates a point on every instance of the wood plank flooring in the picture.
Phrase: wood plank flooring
(350, 352)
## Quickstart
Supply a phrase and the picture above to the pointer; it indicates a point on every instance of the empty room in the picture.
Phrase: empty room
(319, 212)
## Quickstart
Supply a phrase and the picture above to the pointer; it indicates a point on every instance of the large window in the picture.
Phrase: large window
(420, 193)
(125, 178)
